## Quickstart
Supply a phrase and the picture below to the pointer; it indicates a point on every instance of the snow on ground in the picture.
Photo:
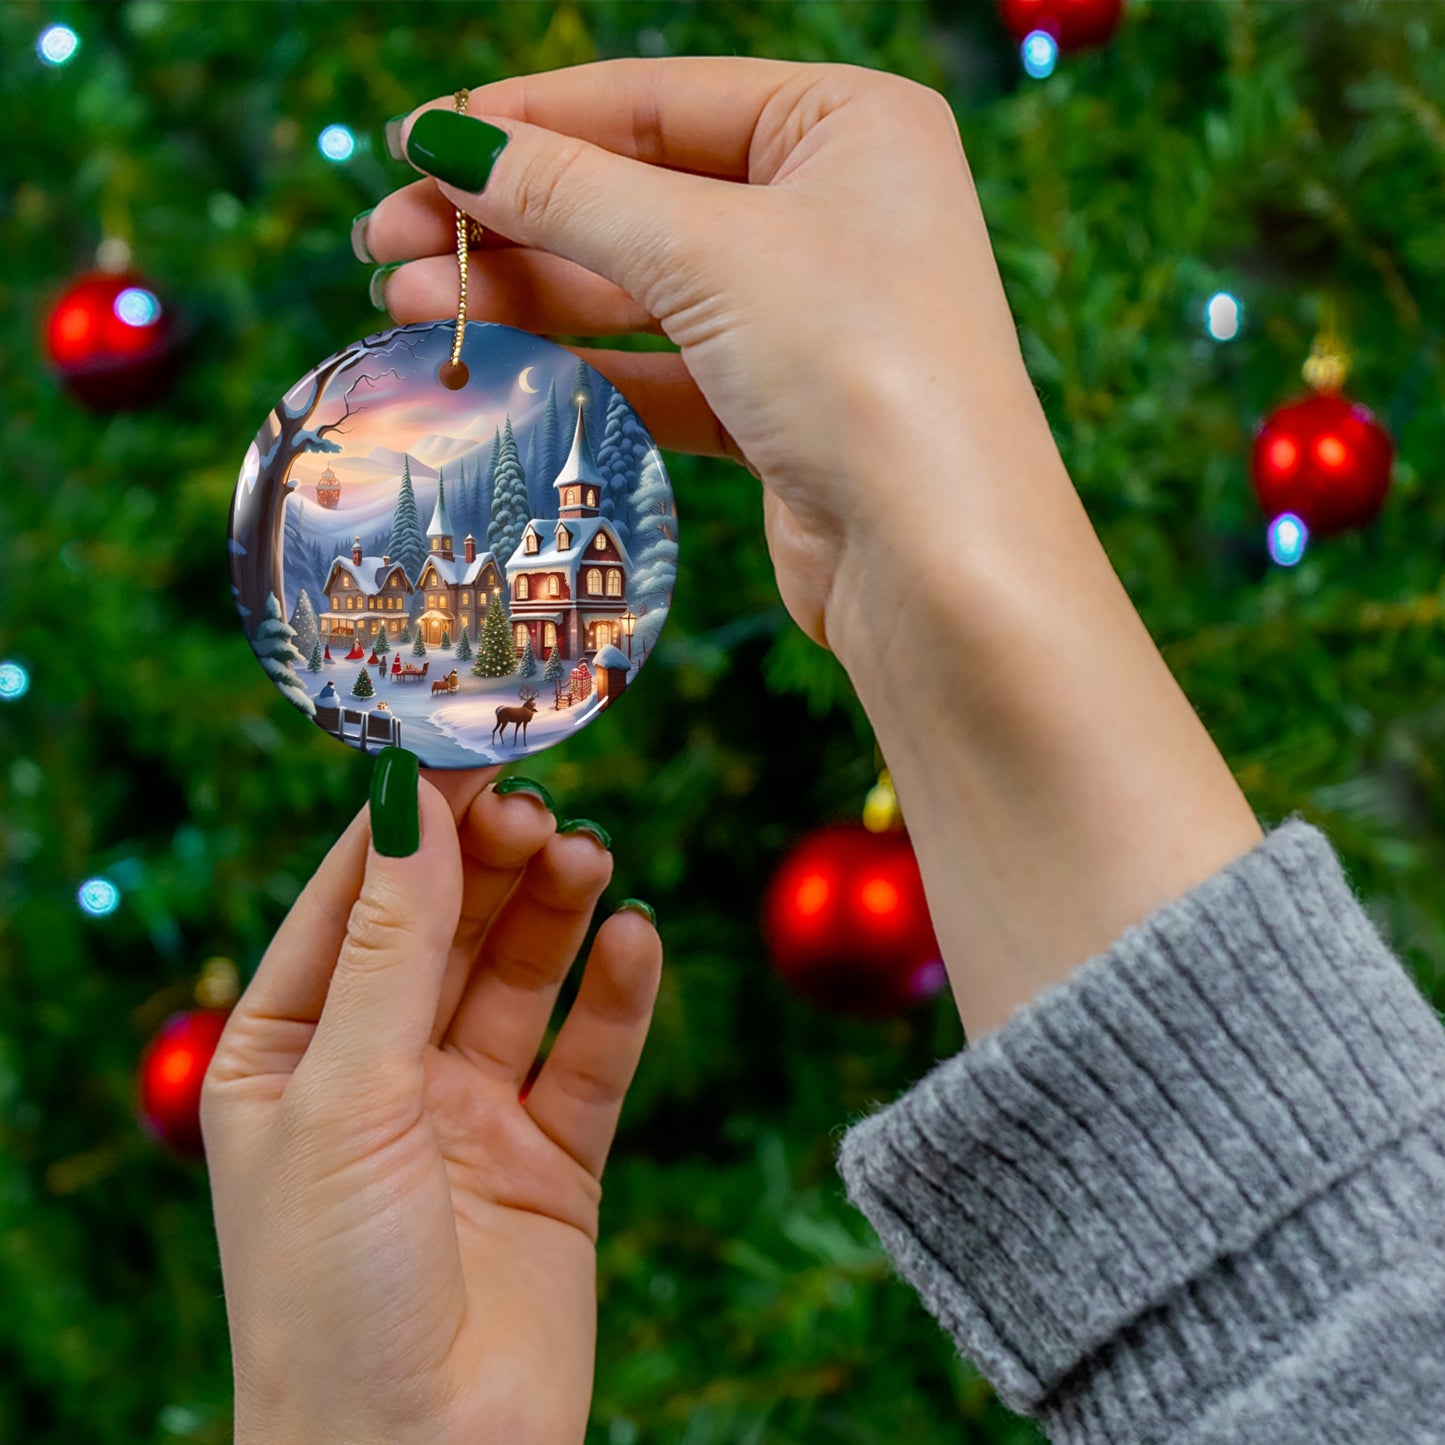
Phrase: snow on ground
(454, 729)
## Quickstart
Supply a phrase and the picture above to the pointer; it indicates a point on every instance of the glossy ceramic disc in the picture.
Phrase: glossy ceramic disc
(469, 573)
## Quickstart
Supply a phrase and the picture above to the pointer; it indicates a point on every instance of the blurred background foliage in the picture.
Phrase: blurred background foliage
(1287, 153)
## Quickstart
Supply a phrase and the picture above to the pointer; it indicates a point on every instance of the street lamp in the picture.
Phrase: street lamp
(629, 622)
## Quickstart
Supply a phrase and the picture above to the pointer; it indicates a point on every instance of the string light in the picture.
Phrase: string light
(1040, 53)
(1288, 536)
(14, 681)
(98, 897)
(336, 143)
(57, 44)
(1223, 316)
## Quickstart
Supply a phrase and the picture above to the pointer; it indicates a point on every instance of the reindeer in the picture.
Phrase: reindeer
(519, 717)
(445, 684)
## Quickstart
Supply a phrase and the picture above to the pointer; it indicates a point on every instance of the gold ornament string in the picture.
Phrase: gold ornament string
(452, 373)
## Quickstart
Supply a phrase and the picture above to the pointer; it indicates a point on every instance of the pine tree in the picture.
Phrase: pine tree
(510, 512)
(654, 534)
(406, 630)
(408, 542)
(418, 648)
(363, 687)
(464, 647)
(275, 647)
(550, 442)
(383, 642)
(446, 643)
(593, 404)
(316, 663)
(527, 667)
(624, 449)
(496, 656)
(305, 625)
(554, 672)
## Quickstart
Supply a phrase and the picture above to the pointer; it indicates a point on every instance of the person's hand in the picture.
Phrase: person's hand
(407, 1245)
(842, 301)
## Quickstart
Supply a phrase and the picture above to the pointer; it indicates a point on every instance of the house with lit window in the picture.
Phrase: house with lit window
(567, 580)
(455, 591)
(367, 595)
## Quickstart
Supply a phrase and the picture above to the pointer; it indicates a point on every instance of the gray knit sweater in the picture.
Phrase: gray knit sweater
(1196, 1192)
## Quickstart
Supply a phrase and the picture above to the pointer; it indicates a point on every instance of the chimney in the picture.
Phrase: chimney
(386, 559)
(471, 545)
(356, 551)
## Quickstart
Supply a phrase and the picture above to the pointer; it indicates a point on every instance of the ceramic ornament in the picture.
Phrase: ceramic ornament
(470, 571)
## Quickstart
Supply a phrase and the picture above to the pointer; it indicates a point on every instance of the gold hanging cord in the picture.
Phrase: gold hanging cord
(452, 373)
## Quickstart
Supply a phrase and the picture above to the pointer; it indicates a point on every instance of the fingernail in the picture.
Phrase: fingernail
(636, 905)
(377, 288)
(455, 148)
(395, 810)
(393, 137)
(359, 247)
(586, 825)
(527, 786)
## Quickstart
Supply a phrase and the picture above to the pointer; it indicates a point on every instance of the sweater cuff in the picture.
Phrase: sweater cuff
(1237, 1054)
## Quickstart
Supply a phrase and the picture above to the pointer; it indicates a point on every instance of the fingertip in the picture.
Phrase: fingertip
(505, 830)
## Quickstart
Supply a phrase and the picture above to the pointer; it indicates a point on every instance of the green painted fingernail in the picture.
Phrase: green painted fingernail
(636, 905)
(377, 289)
(395, 809)
(529, 787)
(393, 137)
(455, 148)
(359, 247)
(586, 825)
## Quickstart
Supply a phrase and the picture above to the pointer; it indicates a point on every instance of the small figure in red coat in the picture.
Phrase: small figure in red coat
(373, 659)
(326, 656)
(395, 665)
(356, 653)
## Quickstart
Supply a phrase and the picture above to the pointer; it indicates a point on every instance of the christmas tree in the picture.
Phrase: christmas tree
(362, 687)
(383, 642)
(464, 647)
(446, 642)
(1280, 153)
(555, 672)
(496, 656)
(418, 648)
(278, 654)
(527, 664)
(315, 663)
(305, 625)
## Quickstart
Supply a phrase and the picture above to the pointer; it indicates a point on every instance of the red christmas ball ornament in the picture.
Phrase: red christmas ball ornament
(171, 1072)
(1324, 458)
(1073, 23)
(847, 923)
(111, 341)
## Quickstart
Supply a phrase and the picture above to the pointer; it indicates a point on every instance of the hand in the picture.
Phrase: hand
(407, 1247)
(844, 296)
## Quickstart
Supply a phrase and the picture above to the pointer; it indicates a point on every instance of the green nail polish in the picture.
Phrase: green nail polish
(359, 248)
(529, 787)
(377, 287)
(393, 137)
(395, 810)
(636, 905)
(455, 148)
(586, 825)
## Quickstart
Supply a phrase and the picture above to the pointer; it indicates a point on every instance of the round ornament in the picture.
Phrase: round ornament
(111, 341)
(1073, 24)
(172, 1071)
(1325, 459)
(465, 552)
(847, 922)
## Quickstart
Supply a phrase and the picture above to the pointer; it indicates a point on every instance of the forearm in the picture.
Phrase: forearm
(1056, 782)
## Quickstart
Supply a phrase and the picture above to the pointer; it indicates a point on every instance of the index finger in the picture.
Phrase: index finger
(687, 112)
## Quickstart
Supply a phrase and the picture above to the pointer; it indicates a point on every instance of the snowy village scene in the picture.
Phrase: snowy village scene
(470, 574)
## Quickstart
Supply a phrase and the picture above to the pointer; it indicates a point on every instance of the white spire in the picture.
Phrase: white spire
(441, 524)
(579, 466)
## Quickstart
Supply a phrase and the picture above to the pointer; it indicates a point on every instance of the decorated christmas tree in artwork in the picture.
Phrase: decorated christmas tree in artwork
(495, 654)
(363, 686)
(305, 625)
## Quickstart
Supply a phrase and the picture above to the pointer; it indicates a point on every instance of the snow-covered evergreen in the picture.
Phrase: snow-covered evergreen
(305, 625)
(464, 647)
(418, 648)
(274, 644)
(624, 449)
(554, 672)
(316, 663)
(527, 666)
(408, 543)
(383, 642)
(654, 538)
(510, 509)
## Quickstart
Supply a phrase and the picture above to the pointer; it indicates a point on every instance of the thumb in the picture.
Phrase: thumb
(636, 224)
(382, 1000)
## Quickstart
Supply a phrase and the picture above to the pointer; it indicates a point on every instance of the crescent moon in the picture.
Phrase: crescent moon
(522, 380)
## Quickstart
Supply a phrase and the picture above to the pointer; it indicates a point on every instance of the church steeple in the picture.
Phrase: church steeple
(440, 531)
(578, 484)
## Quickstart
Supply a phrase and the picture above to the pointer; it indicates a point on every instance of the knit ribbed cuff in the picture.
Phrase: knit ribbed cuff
(1235, 1056)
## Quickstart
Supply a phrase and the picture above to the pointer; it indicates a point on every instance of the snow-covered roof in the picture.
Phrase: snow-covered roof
(610, 656)
(441, 524)
(458, 572)
(579, 466)
(549, 557)
(370, 575)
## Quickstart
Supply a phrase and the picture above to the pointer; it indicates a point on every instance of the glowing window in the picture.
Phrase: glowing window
(594, 581)
(614, 582)
(549, 634)
(529, 542)
(523, 588)
(600, 543)
(554, 586)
